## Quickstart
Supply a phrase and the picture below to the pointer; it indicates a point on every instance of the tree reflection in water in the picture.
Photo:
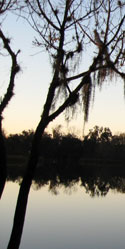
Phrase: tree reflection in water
(96, 181)
(94, 186)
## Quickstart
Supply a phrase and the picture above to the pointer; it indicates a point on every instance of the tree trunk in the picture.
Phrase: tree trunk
(25, 188)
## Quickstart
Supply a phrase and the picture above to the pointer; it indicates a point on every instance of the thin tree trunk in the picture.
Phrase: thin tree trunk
(20, 211)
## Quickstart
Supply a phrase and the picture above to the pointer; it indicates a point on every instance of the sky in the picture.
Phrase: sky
(31, 86)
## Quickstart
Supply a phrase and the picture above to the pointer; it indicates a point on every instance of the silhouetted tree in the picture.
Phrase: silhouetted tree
(97, 143)
(118, 146)
(18, 144)
(4, 100)
(66, 29)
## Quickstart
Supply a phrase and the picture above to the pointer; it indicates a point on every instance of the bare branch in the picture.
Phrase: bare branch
(44, 15)
(14, 70)
(6, 5)
(55, 12)
(108, 22)
(116, 33)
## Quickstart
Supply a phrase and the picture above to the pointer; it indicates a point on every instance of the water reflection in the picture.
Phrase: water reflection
(93, 181)
(67, 220)
(96, 181)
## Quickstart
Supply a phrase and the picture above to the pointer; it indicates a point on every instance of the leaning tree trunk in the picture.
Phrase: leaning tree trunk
(25, 188)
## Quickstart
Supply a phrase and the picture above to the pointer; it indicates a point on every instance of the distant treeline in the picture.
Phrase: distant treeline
(98, 143)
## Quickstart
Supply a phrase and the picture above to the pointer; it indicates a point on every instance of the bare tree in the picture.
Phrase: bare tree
(4, 100)
(66, 29)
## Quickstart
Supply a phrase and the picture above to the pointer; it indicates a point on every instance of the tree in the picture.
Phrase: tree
(98, 142)
(99, 135)
(4, 100)
(66, 29)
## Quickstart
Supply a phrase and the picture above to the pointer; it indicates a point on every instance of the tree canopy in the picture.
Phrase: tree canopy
(69, 29)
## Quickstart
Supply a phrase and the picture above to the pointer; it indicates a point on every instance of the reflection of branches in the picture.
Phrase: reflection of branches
(95, 183)
(95, 186)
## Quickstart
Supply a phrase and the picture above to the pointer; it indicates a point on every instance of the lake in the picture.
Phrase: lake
(81, 214)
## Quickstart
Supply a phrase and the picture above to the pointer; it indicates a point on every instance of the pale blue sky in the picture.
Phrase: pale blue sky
(32, 83)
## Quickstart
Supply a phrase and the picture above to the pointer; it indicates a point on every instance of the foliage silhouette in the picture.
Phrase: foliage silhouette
(99, 143)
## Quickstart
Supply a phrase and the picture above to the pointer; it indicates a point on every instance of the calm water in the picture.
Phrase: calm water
(66, 218)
